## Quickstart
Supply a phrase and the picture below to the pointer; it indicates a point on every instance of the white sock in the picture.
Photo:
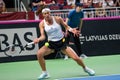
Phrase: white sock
(44, 71)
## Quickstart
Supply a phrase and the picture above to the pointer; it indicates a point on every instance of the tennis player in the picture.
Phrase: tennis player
(56, 42)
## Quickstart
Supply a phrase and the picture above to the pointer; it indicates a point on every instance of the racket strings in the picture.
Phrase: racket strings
(13, 50)
(12, 47)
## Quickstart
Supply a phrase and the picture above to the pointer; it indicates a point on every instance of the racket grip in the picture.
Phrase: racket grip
(30, 43)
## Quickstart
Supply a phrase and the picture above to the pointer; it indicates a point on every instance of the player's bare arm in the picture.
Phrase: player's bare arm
(42, 34)
(73, 30)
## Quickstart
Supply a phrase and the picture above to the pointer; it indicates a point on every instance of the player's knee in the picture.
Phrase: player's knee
(39, 53)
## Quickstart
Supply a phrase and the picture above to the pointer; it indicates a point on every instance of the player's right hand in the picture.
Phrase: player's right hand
(36, 40)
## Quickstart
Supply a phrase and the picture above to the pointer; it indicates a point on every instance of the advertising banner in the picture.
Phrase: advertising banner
(19, 34)
(101, 36)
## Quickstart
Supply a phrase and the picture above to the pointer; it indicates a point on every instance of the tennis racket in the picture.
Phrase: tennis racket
(81, 24)
(14, 50)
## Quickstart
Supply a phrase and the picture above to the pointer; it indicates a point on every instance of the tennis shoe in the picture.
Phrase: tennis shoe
(43, 76)
(89, 71)
(66, 57)
(83, 56)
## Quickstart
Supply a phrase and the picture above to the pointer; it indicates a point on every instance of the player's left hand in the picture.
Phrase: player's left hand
(76, 32)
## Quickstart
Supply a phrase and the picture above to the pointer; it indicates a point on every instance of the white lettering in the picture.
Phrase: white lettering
(114, 37)
(96, 38)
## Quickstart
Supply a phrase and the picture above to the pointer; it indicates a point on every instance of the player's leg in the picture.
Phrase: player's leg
(71, 53)
(40, 56)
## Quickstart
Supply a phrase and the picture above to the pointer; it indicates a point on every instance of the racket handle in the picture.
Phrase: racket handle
(30, 43)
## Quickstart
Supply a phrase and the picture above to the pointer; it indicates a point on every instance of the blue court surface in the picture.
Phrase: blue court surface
(107, 77)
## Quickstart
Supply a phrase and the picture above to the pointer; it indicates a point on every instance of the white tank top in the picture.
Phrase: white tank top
(54, 31)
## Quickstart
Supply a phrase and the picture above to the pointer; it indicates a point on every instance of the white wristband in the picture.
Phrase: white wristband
(70, 29)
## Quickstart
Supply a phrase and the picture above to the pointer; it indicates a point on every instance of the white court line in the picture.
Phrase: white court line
(89, 76)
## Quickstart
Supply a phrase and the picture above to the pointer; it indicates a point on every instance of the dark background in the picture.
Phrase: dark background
(9, 3)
